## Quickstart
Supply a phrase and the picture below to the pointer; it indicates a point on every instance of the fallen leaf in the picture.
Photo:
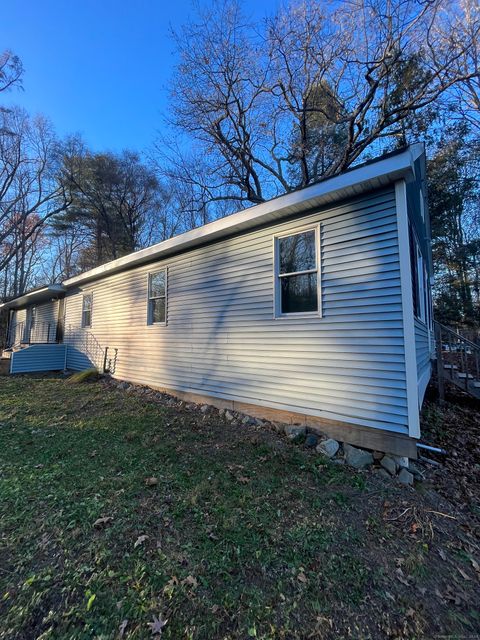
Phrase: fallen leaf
(215, 608)
(156, 627)
(121, 628)
(243, 479)
(452, 595)
(401, 578)
(190, 581)
(90, 601)
(464, 575)
(301, 577)
(101, 522)
(140, 540)
(442, 554)
(475, 565)
(151, 482)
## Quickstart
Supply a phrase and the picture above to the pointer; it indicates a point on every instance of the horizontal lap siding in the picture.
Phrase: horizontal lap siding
(46, 322)
(221, 338)
(14, 331)
(39, 357)
(422, 350)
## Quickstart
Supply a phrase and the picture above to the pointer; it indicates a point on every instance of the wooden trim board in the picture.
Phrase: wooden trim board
(365, 437)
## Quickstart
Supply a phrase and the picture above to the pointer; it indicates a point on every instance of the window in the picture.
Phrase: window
(297, 279)
(87, 310)
(157, 297)
(420, 285)
(33, 317)
(414, 271)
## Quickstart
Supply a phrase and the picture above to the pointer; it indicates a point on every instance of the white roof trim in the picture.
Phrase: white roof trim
(38, 295)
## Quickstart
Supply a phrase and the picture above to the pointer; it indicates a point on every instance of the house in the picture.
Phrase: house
(313, 307)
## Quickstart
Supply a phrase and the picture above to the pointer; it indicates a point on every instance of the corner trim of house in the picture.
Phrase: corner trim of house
(411, 374)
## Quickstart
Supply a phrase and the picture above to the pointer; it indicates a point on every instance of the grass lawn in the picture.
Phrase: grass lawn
(238, 533)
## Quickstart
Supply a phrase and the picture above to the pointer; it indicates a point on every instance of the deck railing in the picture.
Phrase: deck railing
(40, 333)
(458, 359)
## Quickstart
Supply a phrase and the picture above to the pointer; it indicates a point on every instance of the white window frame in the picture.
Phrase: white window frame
(150, 321)
(87, 294)
(278, 315)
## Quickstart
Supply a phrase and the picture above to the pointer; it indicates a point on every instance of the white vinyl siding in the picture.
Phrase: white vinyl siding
(44, 326)
(223, 340)
(422, 350)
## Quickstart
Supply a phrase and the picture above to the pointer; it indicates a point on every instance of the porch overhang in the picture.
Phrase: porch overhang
(37, 296)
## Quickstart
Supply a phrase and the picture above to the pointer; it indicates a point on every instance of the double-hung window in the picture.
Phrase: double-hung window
(297, 273)
(420, 286)
(87, 310)
(157, 297)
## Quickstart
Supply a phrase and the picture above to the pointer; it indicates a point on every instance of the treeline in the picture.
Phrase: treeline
(257, 110)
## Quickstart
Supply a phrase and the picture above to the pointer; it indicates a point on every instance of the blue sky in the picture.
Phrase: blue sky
(98, 67)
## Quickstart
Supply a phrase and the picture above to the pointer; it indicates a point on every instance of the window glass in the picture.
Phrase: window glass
(299, 293)
(158, 310)
(157, 284)
(297, 252)
(414, 270)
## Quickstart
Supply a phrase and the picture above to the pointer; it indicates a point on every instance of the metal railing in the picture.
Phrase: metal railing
(23, 333)
(457, 354)
(86, 343)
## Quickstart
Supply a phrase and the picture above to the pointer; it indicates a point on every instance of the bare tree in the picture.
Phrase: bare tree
(307, 95)
(464, 25)
(11, 70)
(30, 190)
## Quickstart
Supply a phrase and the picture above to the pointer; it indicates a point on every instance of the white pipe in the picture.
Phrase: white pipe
(428, 448)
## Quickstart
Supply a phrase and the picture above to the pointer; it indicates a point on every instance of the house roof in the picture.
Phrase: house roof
(370, 175)
(36, 296)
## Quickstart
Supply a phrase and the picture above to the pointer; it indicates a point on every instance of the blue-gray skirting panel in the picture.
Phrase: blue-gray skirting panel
(39, 357)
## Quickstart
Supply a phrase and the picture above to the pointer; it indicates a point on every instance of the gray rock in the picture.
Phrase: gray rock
(378, 455)
(229, 416)
(328, 447)
(338, 460)
(389, 464)
(294, 431)
(383, 474)
(401, 461)
(357, 458)
(405, 477)
(123, 385)
(311, 440)
(204, 408)
(247, 420)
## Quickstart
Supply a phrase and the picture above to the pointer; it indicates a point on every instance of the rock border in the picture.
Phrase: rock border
(385, 465)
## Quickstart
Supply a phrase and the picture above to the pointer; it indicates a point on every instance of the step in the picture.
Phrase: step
(450, 366)
(466, 375)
